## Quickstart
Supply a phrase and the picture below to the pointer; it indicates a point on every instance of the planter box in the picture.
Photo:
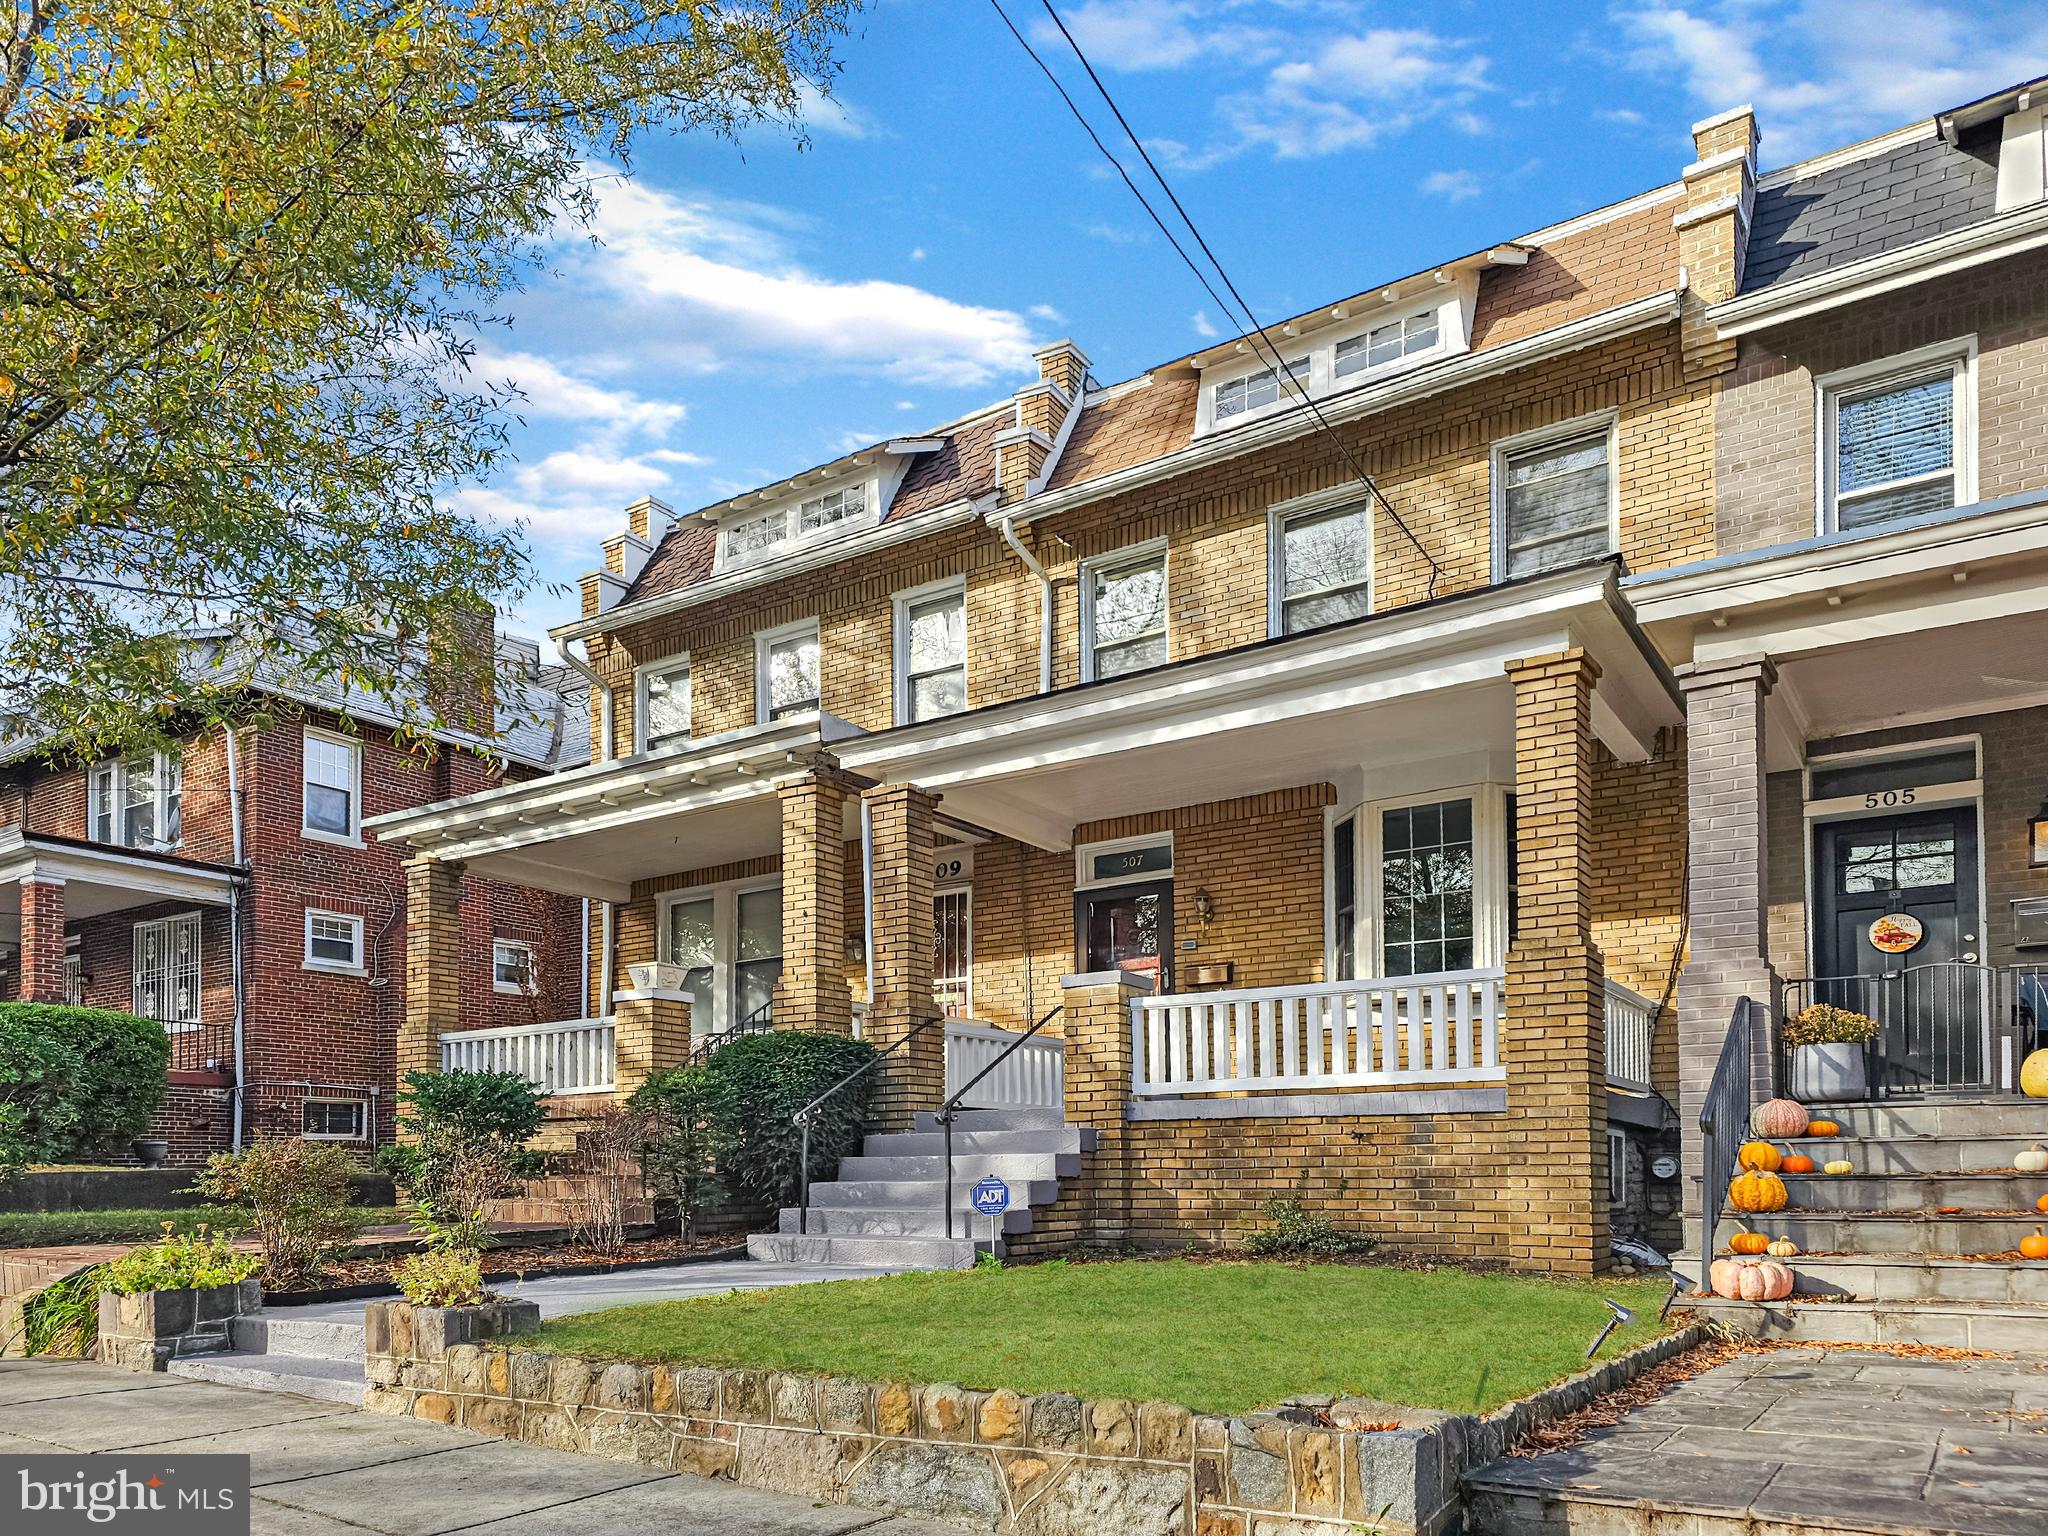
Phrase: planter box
(145, 1332)
(1829, 1074)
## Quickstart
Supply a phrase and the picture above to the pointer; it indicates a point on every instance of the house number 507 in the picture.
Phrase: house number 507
(1890, 797)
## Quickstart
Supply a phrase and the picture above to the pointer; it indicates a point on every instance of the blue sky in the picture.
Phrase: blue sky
(748, 310)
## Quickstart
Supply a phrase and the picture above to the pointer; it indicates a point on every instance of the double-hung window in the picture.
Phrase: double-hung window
(334, 941)
(1894, 441)
(512, 967)
(1257, 391)
(1322, 567)
(664, 701)
(1124, 617)
(786, 671)
(1554, 502)
(931, 653)
(333, 788)
(164, 973)
(136, 803)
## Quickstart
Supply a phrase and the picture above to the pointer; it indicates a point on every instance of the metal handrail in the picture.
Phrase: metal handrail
(1724, 1118)
(803, 1117)
(758, 1022)
(951, 1107)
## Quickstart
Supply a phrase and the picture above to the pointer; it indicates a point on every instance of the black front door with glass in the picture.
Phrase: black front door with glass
(1128, 928)
(1930, 997)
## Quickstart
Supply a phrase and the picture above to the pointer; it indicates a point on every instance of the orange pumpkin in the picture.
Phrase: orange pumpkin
(1797, 1162)
(2041, 1205)
(1757, 1191)
(1746, 1241)
(1822, 1128)
(1750, 1279)
(1778, 1118)
(2034, 1245)
(1758, 1155)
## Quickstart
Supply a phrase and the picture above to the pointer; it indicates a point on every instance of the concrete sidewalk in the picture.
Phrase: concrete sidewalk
(320, 1469)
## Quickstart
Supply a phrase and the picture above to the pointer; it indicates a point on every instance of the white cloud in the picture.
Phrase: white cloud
(708, 284)
(906, 405)
(849, 441)
(917, 253)
(1046, 313)
(1350, 90)
(1138, 35)
(552, 392)
(1113, 234)
(1204, 326)
(833, 115)
(1451, 186)
(1826, 72)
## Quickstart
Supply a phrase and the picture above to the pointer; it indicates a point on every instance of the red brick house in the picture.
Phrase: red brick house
(230, 891)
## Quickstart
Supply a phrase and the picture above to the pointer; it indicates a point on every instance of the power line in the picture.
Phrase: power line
(1255, 333)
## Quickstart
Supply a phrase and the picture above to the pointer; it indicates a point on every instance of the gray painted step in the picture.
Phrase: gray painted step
(1948, 1324)
(280, 1333)
(1861, 1232)
(907, 1194)
(993, 1120)
(1064, 1138)
(1914, 1191)
(332, 1381)
(921, 1221)
(911, 1252)
(2022, 1119)
(1917, 1154)
(1921, 1277)
(1025, 1166)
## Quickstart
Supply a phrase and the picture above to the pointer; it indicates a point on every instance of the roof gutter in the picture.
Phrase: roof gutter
(1009, 527)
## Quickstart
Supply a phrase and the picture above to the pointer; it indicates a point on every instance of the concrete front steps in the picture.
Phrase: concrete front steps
(276, 1352)
(1999, 1326)
(887, 1205)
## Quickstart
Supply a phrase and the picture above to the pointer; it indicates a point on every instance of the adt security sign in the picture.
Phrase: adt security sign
(991, 1196)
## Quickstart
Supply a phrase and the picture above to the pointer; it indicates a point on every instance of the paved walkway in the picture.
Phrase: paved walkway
(320, 1469)
(1849, 1439)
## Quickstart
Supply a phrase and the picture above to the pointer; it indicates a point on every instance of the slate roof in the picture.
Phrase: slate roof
(1849, 212)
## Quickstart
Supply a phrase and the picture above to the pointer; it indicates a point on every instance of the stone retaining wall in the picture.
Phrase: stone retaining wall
(997, 1461)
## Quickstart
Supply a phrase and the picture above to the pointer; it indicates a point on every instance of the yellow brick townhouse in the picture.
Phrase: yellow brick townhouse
(1355, 748)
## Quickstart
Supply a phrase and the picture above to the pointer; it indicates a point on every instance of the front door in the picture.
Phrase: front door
(1931, 999)
(1128, 928)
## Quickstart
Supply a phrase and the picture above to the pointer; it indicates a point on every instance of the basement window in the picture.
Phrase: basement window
(332, 1119)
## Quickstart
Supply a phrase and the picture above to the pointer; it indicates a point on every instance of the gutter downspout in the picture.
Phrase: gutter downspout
(867, 897)
(603, 692)
(583, 971)
(235, 925)
(1045, 600)
(604, 967)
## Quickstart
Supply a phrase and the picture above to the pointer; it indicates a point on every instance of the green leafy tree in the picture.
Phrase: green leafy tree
(245, 249)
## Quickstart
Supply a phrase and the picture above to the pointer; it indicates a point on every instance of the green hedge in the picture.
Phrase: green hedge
(771, 1077)
(74, 1080)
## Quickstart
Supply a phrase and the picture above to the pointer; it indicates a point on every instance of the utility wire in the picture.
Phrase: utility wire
(1255, 333)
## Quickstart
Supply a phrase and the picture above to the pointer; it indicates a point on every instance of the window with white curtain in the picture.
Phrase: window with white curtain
(1554, 503)
(165, 976)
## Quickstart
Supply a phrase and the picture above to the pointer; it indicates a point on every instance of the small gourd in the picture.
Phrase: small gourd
(1822, 1128)
(1782, 1248)
(1778, 1118)
(1797, 1162)
(1757, 1191)
(1746, 1241)
(1758, 1155)
(2033, 1160)
(2034, 1074)
(2034, 1245)
(2041, 1205)
(1839, 1165)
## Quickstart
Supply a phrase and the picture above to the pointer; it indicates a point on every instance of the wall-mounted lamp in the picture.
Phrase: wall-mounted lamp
(2037, 838)
(1205, 906)
(856, 948)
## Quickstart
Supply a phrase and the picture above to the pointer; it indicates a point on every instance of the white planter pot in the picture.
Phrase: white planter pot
(655, 977)
(1828, 1074)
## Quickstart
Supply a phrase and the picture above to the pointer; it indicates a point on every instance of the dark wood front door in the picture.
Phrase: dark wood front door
(1128, 928)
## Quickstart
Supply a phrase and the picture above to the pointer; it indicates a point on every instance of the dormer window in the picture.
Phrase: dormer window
(833, 507)
(1256, 391)
(1387, 343)
(747, 538)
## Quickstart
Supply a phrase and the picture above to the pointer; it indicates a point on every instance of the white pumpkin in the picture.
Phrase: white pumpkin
(2033, 1160)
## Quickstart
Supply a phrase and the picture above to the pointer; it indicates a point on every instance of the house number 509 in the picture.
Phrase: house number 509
(1890, 797)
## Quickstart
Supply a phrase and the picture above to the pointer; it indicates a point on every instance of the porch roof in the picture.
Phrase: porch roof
(1419, 683)
(99, 878)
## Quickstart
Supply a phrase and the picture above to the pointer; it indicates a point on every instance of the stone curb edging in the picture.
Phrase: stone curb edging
(377, 1291)
(993, 1460)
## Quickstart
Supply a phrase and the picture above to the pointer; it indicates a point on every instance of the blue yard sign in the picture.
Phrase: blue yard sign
(991, 1196)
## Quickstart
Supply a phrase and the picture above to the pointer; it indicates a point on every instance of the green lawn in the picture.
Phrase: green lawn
(49, 1229)
(1218, 1338)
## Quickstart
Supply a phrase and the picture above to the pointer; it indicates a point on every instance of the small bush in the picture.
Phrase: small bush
(689, 1130)
(1825, 1024)
(74, 1079)
(180, 1261)
(62, 1320)
(468, 1133)
(296, 1193)
(610, 1149)
(442, 1277)
(1298, 1232)
(771, 1076)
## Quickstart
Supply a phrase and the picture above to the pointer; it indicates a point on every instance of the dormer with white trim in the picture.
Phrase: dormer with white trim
(2021, 113)
(829, 502)
(1364, 340)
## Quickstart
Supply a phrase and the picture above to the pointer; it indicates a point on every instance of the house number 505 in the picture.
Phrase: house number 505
(1890, 797)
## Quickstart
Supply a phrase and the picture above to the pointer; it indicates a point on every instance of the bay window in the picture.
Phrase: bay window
(1421, 884)
(136, 802)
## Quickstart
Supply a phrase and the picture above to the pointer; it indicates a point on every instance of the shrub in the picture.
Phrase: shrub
(62, 1320)
(72, 1079)
(180, 1261)
(610, 1149)
(442, 1277)
(689, 1131)
(770, 1077)
(296, 1193)
(468, 1134)
(1825, 1024)
(1298, 1232)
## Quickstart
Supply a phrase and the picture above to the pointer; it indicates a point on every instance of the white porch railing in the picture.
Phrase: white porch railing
(1631, 1021)
(1340, 1034)
(1034, 1076)
(575, 1056)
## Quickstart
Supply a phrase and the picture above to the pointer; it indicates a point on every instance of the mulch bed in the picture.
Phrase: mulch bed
(530, 1262)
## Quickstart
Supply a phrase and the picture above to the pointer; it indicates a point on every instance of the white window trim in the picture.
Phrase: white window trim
(1296, 509)
(901, 604)
(1130, 554)
(514, 989)
(793, 537)
(641, 675)
(198, 1020)
(353, 838)
(1489, 872)
(1959, 354)
(1085, 853)
(725, 941)
(766, 640)
(307, 961)
(1522, 442)
(361, 1107)
(116, 771)
(1617, 1166)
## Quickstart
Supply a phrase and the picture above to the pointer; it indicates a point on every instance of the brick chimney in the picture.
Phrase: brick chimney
(625, 555)
(1713, 231)
(1042, 408)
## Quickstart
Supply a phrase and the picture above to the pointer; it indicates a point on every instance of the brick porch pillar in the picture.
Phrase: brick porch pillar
(1554, 1041)
(900, 823)
(811, 992)
(1096, 1020)
(650, 1034)
(42, 940)
(1726, 898)
(433, 963)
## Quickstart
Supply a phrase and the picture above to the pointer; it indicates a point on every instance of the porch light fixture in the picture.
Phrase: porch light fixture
(1205, 906)
(2037, 838)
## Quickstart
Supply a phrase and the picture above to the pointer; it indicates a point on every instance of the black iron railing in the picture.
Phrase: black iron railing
(208, 1047)
(802, 1118)
(951, 1108)
(1724, 1120)
(1947, 1026)
(759, 1022)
